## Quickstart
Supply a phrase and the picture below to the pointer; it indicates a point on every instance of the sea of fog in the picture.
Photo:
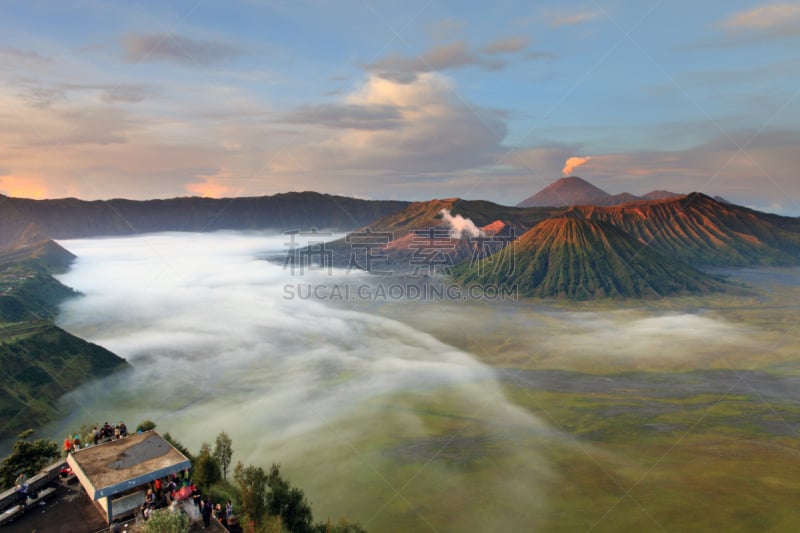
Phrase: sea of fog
(378, 410)
(344, 399)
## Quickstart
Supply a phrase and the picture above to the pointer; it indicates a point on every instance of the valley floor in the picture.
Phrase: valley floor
(679, 415)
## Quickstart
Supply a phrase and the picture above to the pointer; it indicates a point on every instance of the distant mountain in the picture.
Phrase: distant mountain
(701, 231)
(567, 191)
(71, 218)
(576, 191)
(582, 259)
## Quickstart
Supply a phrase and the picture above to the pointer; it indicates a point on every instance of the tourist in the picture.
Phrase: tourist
(149, 504)
(123, 429)
(76, 442)
(117, 432)
(67, 445)
(21, 484)
(205, 511)
(196, 496)
(96, 435)
(228, 509)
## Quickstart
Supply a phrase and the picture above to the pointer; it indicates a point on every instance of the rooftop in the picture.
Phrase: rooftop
(126, 463)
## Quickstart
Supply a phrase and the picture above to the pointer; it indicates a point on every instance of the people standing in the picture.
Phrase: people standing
(67, 445)
(205, 511)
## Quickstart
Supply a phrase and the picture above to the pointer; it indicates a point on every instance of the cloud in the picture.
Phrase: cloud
(210, 187)
(560, 19)
(23, 187)
(572, 163)
(24, 57)
(769, 19)
(762, 23)
(347, 116)
(430, 130)
(507, 45)
(404, 69)
(124, 92)
(142, 48)
(454, 55)
(460, 226)
(446, 28)
(630, 339)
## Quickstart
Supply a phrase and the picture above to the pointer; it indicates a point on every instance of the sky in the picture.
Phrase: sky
(407, 100)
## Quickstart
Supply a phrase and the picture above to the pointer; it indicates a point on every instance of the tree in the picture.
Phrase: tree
(289, 503)
(26, 457)
(252, 482)
(223, 452)
(145, 425)
(165, 521)
(206, 468)
(180, 447)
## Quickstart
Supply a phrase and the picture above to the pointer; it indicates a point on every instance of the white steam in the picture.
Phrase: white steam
(460, 226)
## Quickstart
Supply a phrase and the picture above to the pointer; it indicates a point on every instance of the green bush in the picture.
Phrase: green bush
(165, 521)
(146, 425)
(26, 457)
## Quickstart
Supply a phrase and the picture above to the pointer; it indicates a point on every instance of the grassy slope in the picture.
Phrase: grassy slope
(40, 361)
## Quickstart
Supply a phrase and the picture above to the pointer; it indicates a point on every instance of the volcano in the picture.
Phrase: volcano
(576, 258)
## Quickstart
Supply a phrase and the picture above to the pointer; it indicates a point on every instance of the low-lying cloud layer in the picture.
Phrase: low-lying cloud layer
(214, 345)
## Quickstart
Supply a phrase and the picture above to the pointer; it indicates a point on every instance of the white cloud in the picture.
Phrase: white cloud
(778, 19)
(571, 18)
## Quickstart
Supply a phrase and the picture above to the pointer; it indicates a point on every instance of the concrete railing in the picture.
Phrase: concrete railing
(42, 479)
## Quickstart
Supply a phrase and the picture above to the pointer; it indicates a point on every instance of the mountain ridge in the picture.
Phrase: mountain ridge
(70, 218)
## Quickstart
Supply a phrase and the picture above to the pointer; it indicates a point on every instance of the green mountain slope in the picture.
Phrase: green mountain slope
(40, 363)
(581, 259)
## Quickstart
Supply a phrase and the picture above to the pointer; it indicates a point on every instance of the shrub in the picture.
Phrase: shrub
(165, 521)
